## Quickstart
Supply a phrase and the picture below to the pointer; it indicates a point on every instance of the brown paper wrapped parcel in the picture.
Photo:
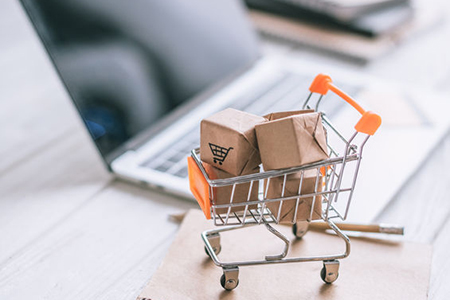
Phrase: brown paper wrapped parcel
(287, 213)
(291, 139)
(228, 141)
(222, 195)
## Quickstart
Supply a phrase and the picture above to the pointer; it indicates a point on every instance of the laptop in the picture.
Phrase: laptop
(142, 75)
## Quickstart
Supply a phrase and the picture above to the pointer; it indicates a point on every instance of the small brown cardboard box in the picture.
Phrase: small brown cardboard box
(228, 141)
(291, 139)
(222, 195)
(292, 183)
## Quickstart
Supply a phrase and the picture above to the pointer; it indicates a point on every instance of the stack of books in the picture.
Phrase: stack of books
(360, 29)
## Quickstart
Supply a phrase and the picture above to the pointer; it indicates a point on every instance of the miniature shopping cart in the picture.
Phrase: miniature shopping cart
(339, 173)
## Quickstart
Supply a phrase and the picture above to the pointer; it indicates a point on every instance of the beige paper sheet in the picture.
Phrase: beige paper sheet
(375, 269)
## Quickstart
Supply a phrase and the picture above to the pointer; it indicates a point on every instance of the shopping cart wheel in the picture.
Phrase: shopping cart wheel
(230, 278)
(330, 271)
(299, 229)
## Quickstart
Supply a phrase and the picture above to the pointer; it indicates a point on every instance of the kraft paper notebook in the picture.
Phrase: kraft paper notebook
(375, 269)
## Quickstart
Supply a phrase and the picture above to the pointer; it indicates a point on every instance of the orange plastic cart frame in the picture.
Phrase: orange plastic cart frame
(369, 121)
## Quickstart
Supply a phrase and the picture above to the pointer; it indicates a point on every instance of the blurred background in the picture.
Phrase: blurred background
(57, 199)
(127, 66)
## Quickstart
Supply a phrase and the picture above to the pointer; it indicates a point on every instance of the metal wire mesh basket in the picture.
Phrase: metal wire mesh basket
(328, 196)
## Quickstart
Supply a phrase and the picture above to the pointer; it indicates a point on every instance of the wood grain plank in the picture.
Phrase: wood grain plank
(439, 288)
(423, 205)
(103, 243)
(41, 191)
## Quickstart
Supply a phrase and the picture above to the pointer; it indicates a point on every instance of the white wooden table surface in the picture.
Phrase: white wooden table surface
(68, 230)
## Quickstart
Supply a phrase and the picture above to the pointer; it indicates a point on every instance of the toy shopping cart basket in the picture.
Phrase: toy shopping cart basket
(328, 199)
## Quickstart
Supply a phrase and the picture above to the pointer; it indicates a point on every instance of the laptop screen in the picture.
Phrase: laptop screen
(127, 64)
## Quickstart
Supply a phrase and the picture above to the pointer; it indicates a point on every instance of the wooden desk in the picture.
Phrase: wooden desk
(68, 230)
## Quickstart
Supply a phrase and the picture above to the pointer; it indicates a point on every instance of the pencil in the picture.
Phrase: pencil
(374, 228)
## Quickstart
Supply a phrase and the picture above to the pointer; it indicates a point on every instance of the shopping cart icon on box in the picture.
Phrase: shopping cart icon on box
(219, 153)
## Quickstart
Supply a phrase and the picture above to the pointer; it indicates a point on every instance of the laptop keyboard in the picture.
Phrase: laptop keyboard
(285, 93)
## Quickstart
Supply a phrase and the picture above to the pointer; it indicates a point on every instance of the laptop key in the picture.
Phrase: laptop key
(164, 166)
(245, 101)
(183, 172)
(175, 157)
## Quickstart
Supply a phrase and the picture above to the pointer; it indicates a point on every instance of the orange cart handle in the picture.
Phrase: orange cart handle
(369, 121)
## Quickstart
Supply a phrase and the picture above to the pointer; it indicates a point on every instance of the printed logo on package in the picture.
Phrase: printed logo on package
(219, 153)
